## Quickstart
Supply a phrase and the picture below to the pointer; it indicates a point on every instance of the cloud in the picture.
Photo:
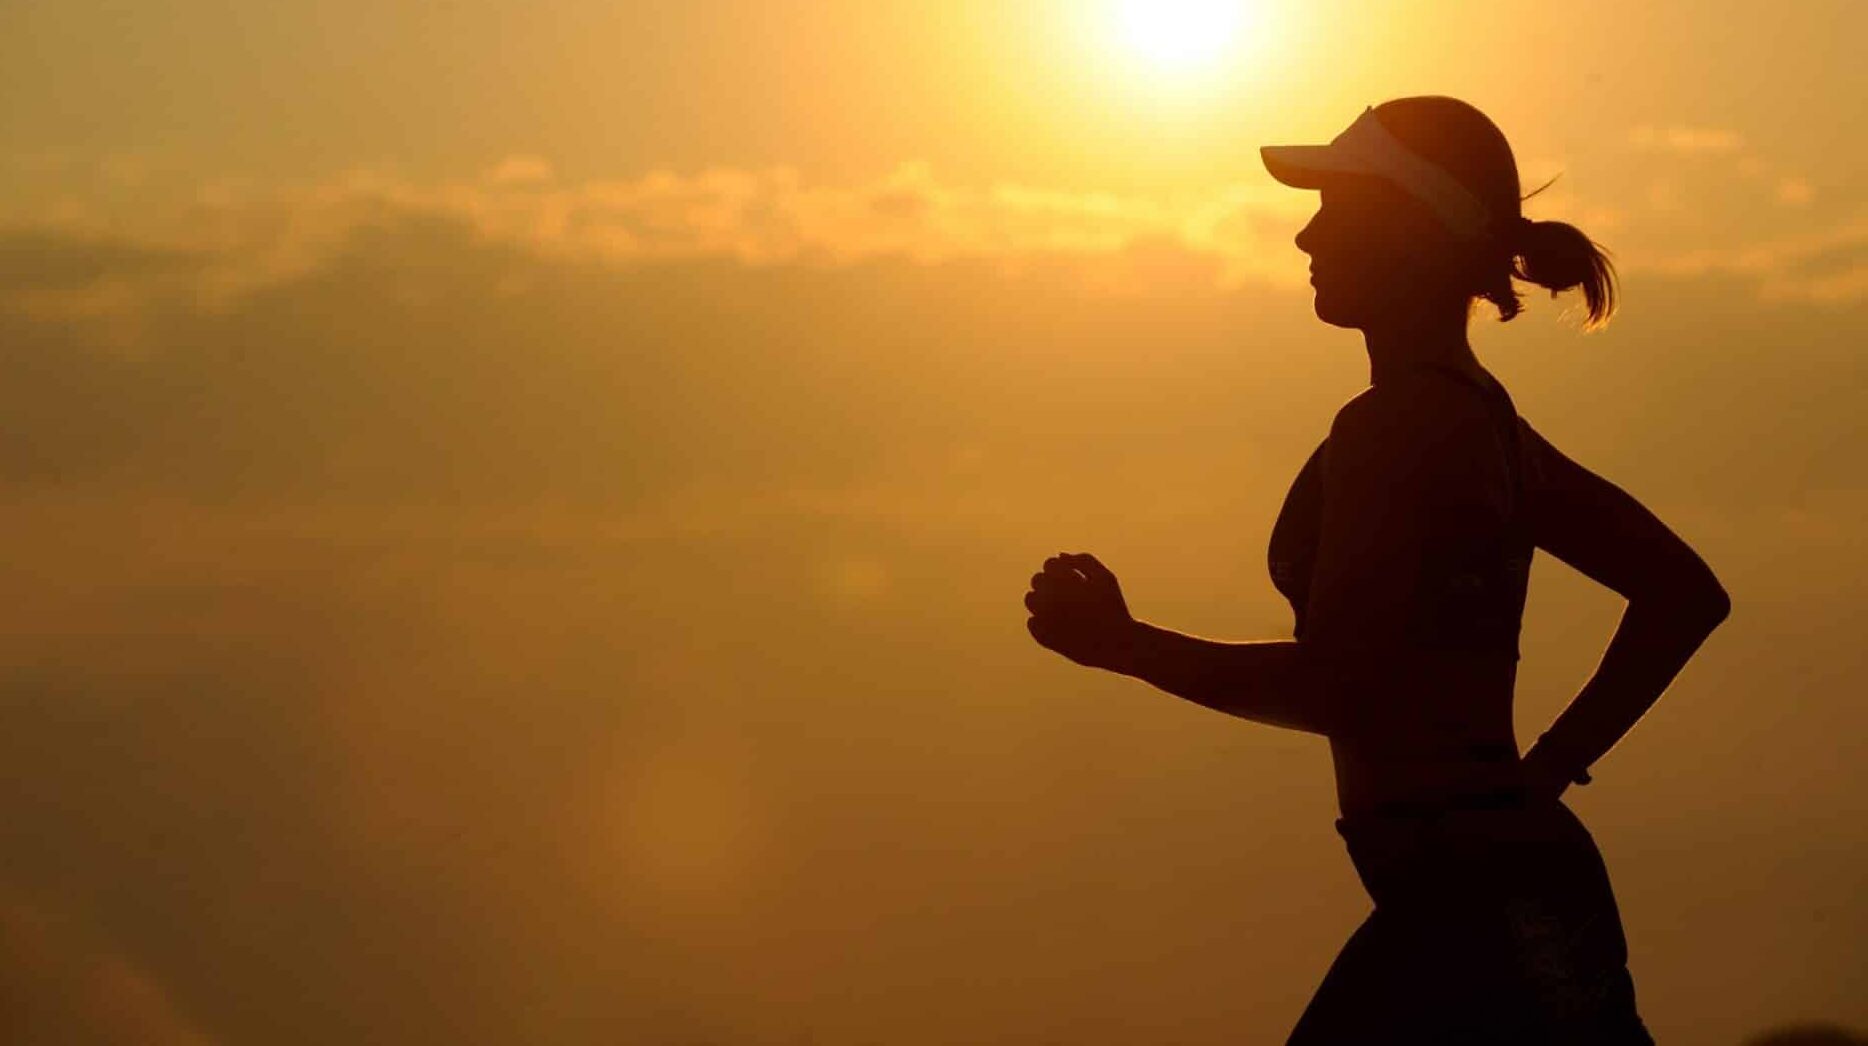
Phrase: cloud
(250, 236)
(32, 260)
(520, 170)
(1747, 215)
(1829, 266)
(226, 238)
(422, 357)
(1686, 141)
(1794, 192)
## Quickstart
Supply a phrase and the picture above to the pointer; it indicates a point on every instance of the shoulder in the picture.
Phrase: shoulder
(1406, 415)
(1546, 467)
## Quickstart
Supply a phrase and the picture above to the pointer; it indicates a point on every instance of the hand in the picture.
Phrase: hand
(1543, 778)
(1077, 610)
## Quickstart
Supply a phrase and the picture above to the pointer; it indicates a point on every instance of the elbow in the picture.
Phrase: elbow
(1718, 604)
(1707, 601)
(1699, 602)
(1715, 610)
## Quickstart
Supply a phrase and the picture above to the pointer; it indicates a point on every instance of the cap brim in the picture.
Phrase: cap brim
(1303, 166)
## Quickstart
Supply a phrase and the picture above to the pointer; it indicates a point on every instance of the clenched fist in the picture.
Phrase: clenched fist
(1077, 610)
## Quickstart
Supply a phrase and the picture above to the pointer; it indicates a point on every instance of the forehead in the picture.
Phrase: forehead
(1375, 202)
(1359, 189)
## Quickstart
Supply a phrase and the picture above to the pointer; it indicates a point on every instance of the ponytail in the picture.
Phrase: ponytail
(1557, 257)
(1465, 143)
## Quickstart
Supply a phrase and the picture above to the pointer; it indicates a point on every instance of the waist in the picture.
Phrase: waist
(1471, 849)
(1375, 776)
(1389, 811)
(1372, 682)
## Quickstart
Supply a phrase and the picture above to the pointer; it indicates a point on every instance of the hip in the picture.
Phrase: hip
(1479, 846)
(1499, 907)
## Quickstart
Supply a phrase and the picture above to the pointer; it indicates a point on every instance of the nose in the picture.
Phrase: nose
(1306, 238)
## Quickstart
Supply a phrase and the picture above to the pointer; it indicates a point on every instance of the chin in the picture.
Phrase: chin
(1332, 312)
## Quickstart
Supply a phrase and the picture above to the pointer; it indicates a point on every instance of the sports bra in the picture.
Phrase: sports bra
(1469, 599)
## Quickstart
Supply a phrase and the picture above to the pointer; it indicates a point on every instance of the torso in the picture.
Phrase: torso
(1431, 719)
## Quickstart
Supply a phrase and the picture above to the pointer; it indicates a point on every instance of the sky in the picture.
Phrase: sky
(520, 512)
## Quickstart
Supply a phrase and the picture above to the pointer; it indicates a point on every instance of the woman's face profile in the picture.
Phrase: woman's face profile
(1374, 251)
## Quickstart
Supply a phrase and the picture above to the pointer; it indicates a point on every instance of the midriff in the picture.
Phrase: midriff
(1435, 729)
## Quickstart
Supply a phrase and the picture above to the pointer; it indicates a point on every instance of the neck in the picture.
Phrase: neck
(1399, 343)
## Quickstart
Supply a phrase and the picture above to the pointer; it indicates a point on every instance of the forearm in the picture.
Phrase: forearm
(1270, 682)
(1651, 644)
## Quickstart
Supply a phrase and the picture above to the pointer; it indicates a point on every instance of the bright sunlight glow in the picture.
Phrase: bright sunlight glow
(1179, 34)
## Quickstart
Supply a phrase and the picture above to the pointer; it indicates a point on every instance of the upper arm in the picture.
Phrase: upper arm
(1410, 475)
(1605, 534)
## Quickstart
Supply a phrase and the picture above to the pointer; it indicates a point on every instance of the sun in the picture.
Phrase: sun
(1181, 34)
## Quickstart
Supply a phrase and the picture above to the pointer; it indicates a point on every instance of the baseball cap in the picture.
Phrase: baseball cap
(1367, 148)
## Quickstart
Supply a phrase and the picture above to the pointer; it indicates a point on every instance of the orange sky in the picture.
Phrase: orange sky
(519, 511)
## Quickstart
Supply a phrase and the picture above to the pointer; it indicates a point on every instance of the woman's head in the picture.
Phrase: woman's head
(1421, 211)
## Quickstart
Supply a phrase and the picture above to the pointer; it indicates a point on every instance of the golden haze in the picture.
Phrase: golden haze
(518, 512)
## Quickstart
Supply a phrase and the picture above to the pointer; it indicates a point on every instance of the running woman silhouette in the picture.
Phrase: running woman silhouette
(1404, 547)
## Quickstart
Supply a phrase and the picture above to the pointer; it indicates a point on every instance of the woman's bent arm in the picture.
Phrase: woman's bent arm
(1654, 641)
(1272, 682)
(1674, 603)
